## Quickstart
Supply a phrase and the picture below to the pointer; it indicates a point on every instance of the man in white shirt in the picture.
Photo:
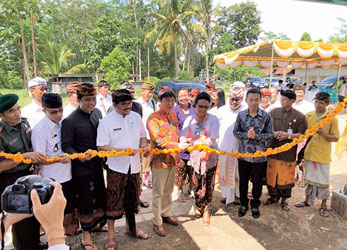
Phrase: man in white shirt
(71, 90)
(46, 139)
(33, 111)
(300, 104)
(148, 107)
(103, 99)
(119, 130)
(228, 168)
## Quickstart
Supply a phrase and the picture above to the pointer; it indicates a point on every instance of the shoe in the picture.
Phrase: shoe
(255, 213)
(144, 204)
(43, 245)
(170, 220)
(242, 211)
(159, 230)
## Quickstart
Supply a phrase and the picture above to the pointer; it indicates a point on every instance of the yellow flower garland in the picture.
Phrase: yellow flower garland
(114, 153)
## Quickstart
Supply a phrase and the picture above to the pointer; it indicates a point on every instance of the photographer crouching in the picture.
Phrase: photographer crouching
(15, 138)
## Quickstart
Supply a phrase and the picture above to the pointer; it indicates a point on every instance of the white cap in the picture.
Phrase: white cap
(238, 85)
(37, 81)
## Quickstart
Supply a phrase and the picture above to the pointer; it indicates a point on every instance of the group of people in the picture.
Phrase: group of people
(96, 120)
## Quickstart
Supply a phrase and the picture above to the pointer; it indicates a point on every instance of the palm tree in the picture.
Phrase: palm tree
(204, 15)
(170, 25)
(54, 59)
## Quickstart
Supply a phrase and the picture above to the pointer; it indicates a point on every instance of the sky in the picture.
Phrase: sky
(293, 18)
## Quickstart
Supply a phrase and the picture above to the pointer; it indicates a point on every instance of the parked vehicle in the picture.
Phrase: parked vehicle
(256, 82)
(292, 79)
(274, 81)
(176, 85)
(330, 81)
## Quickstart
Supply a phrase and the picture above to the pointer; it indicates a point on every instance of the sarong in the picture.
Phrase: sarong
(203, 188)
(183, 174)
(91, 201)
(229, 177)
(280, 174)
(317, 180)
(122, 194)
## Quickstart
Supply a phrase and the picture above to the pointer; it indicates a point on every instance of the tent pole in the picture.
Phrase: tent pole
(337, 81)
(306, 72)
(272, 62)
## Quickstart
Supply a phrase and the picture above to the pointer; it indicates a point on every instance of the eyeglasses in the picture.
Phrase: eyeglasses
(203, 107)
(236, 99)
(54, 112)
(125, 103)
(43, 89)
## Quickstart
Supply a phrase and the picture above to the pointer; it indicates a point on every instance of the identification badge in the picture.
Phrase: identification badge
(197, 132)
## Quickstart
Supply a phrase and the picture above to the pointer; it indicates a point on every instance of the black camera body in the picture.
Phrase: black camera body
(16, 197)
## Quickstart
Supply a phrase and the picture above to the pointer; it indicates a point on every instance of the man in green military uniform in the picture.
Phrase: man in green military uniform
(15, 136)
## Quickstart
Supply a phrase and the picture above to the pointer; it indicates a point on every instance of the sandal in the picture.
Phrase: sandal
(270, 201)
(88, 246)
(181, 197)
(197, 213)
(140, 234)
(144, 204)
(302, 204)
(324, 212)
(111, 245)
(285, 206)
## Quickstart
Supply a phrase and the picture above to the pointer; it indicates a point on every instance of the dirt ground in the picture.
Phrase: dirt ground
(301, 228)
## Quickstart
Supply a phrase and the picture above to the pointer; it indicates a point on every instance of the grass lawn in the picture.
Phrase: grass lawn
(24, 98)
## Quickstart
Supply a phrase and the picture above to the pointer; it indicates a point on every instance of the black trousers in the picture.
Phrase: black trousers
(26, 233)
(255, 172)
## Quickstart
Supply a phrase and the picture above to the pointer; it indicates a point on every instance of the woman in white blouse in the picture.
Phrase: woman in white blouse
(202, 128)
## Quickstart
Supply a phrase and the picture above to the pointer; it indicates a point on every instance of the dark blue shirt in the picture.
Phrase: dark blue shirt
(263, 128)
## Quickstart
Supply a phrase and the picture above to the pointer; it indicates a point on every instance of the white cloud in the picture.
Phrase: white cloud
(293, 18)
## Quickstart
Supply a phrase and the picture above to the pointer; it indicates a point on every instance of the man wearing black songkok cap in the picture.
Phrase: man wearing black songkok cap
(46, 138)
(289, 123)
(78, 134)
(119, 130)
(15, 138)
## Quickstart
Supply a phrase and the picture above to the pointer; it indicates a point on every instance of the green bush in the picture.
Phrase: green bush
(166, 79)
(10, 80)
(116, 66)
(186, 75)
(153, 79)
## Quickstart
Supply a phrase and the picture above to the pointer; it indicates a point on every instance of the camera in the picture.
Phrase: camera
(16, 197)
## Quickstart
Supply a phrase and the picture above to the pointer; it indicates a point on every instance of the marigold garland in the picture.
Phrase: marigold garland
(114, 153)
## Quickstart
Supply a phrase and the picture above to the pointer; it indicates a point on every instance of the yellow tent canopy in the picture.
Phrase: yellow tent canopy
(284, 53)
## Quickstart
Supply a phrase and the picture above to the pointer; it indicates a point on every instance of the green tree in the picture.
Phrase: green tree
(170, 25)
(54, 57)
(267, 36)
(306, 37)
(341, 36)
(242, 22)
(240, 73)
(204, 14)
(116, 66)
